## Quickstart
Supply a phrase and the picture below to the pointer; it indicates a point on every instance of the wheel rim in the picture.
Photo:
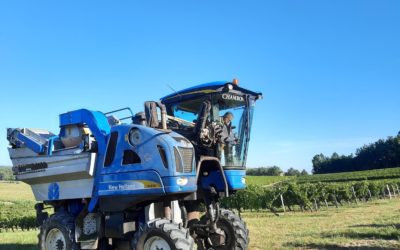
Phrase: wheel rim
(156, 243)
(229, 236)
(55, 240)
(228, 233)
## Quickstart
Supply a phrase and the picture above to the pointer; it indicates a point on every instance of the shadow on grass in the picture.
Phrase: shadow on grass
(11, 246)
(378, 225)
(393, 235)
(337, 247)
(364, 238)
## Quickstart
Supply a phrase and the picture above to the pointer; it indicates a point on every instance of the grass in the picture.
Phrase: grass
(19, 240)
(374, 225)
(12, 191)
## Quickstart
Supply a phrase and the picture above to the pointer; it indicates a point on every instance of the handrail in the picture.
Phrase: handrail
(122, 109)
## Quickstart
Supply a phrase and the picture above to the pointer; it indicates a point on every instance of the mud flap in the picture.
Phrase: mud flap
(87, 231)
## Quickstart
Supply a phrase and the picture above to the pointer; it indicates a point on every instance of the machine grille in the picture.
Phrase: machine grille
(187, 158)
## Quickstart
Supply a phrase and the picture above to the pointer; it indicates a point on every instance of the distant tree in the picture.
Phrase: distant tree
(274, 171)
(318, 162)
(292, 172)
(6, 174)
(304, 172)
(265, 171)
(335, 156)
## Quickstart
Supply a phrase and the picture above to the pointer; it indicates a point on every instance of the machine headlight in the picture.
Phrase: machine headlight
(243, 180)
(135, 137)
(182, 181)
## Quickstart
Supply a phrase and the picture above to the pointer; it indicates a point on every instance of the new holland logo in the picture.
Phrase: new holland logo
(232, 97)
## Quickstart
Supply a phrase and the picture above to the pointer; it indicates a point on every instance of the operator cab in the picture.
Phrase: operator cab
(216, 117)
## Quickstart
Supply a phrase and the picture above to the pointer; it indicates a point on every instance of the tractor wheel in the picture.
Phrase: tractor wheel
(58, 233)
(235, 230)
(162, 234)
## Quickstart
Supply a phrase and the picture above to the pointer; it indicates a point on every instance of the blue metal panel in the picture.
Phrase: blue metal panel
(213, 179)
(171, 184)
(119, 179)
(94, 119)
(50, 144)
(150, 175)
(143, 182)
(32, 144)
(143, 177)
(98, 125)
(234, 179)
(146, 150)
(128, 188)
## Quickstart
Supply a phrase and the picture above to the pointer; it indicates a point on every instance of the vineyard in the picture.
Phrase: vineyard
(316, 191)
(370, 199)
(17, 215)
(16, 207)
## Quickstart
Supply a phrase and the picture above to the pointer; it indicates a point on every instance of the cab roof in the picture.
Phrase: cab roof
(203, 89)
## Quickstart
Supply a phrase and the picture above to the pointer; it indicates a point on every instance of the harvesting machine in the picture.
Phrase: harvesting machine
(140, 185)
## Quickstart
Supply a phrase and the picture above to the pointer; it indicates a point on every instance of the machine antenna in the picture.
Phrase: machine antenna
(169, 86)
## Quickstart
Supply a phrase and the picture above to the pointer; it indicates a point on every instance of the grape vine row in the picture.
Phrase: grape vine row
(293, 196)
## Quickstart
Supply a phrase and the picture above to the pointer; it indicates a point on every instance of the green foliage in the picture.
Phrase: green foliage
(292, 172)
(265, 171)
(378, 155)
(6, 174)
(304, 172)
(309, 196)
(17, 215)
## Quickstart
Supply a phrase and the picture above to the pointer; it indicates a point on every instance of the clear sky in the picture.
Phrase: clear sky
(329, 70)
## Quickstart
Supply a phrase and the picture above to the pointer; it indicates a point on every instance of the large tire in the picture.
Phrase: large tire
(236, 232)
(162, 234)
(58, 233)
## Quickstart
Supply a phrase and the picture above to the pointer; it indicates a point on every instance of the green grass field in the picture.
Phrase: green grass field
(373, 225)
(375, 174)
(19, 240)
(266, 180)
(15, 191)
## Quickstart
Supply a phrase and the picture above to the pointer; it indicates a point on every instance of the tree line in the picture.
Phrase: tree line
(6, 174)
(274, 171)
(384, 153)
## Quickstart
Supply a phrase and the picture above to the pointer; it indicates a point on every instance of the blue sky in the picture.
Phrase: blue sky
(329, 70)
